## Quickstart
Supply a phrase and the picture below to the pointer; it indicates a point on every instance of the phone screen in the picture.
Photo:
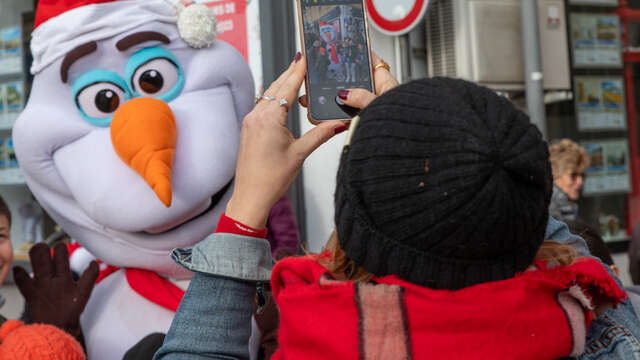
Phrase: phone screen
(337, 51)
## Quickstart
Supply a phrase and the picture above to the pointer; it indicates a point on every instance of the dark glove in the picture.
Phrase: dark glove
(53, 297)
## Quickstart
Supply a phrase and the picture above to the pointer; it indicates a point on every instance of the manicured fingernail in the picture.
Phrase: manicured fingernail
(340, 129)
(298, 56)
(340, 102)
(343, 94)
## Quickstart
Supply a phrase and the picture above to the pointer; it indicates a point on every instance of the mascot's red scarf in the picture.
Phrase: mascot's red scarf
(537, 314)
(147, 284)
(157, 289)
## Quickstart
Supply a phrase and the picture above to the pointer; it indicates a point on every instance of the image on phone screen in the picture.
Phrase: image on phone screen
(337, 53)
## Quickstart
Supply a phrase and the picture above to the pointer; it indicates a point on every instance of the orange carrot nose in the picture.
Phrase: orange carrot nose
(143, 133)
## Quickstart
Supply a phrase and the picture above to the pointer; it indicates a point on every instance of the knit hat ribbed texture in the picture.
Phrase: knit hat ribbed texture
(37, 342)
(445, 184)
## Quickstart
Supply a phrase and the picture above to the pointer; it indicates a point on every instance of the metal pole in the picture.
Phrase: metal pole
(402, 51)
(399, 58)
(405, 51)
(533, 64)
(418, 52)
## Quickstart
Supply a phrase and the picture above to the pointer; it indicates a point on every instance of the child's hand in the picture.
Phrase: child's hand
(53, 297)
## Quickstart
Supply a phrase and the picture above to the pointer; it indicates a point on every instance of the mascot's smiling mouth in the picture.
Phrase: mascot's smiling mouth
(215, 199)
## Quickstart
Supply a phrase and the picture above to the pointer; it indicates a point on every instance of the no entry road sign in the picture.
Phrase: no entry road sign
(396, 17)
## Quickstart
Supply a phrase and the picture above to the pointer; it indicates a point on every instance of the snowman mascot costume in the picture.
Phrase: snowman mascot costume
(129, 141)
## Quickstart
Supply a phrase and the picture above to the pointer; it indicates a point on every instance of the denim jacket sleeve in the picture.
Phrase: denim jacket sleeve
(559, 232)
(615, 333)
(214, 317)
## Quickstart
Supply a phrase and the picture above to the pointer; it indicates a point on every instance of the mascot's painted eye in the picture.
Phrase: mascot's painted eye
(151, 82)
(155, 78)
(155, 72)
(98, 94)
(100, 100)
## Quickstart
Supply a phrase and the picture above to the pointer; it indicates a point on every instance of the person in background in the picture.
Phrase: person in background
(311, 53)
(6, 248)
(634, 255)
(38, 341)
(360, 61)
(344, 53)
(597, 246)
(352, 65)
(55, 331)
(322, 60)
(634, 268)
(599, 249)
(568, 163)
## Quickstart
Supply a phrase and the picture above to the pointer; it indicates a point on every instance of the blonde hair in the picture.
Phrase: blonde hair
(567, 156)
(341, 267)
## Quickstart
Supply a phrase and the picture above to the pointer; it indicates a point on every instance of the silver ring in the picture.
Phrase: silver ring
(284, 102)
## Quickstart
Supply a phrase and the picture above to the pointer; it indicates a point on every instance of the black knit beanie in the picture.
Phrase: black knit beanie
(445, 184)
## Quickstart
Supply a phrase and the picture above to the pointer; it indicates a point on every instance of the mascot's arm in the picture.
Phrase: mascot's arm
(53, 296)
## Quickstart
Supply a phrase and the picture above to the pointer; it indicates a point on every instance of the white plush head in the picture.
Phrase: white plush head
(130, 138)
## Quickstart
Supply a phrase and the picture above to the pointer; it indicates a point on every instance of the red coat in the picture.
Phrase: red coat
(540, 314)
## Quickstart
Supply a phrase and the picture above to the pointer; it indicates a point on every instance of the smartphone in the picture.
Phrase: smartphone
(335, 41)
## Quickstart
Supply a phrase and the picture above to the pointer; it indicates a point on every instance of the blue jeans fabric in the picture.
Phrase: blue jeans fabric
(615, 333)
(610, 337)
(559, 232)
(214, 317)
(212, 322)
(228, 255)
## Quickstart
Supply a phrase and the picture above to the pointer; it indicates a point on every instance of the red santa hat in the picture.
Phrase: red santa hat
(62, 25)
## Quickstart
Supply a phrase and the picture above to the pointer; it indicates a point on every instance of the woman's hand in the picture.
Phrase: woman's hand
(270, 157)
(360, 98)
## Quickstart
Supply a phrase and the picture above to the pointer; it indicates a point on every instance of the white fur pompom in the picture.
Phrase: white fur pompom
(197, 25)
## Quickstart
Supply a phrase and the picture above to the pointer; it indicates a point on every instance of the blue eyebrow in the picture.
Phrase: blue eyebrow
(151, 53)
(95, 77)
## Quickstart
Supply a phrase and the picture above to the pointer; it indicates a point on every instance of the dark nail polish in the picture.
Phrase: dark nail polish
(340, 129)
(343, 94)
(349, 110)
(298, 56)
